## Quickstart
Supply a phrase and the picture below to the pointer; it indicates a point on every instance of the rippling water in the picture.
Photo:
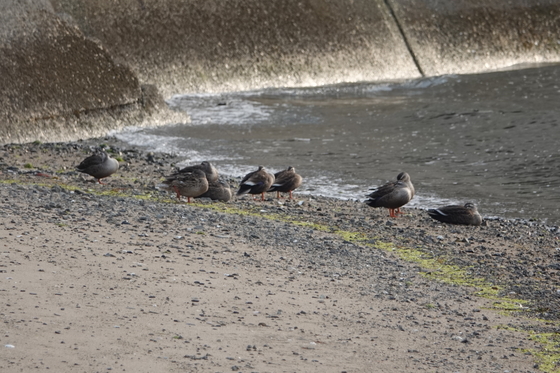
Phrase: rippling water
(492, 139)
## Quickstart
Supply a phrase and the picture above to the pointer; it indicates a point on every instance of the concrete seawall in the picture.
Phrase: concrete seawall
(73, 69)
(472, 36)
(56, 84)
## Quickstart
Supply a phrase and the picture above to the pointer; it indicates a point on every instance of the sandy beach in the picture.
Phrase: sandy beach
(123, 277)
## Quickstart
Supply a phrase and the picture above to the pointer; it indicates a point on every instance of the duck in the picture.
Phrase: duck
(210, 171)
(285, 181)
(188, 184)
(256, 182)
(457, 214)
(393, 195)
(217, 190)
(99, 165)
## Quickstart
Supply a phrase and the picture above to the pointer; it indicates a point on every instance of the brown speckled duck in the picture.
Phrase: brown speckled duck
(256, 182)
(188, 184)
(206, 167)
(393, 195)
(99, 165)
(217, 190)
(456, 214)
(285, 181)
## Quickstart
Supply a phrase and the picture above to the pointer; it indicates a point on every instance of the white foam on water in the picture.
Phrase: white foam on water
(220, 109)
(175, 145)
(236, 108)
(157, 143)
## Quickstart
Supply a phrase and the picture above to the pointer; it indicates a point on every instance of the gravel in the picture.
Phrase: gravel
(313, 235)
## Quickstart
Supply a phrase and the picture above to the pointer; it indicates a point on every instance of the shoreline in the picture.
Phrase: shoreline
(311, 284)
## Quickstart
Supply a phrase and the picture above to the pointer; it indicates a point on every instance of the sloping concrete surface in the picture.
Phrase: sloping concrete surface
(472, 36)
(193, 46)
(50, 70)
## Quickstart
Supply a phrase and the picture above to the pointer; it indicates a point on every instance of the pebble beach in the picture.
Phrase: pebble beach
(123, 277)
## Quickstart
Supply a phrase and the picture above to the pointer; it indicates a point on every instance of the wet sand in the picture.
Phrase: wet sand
(122, 277)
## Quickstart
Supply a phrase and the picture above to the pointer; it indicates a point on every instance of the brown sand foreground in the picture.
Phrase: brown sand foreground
(121, 277)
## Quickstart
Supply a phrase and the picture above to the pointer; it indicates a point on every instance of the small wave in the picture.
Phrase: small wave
(165, 144)
(221, 109)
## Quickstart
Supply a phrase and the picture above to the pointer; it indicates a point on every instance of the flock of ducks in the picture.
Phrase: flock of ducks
(202, 180)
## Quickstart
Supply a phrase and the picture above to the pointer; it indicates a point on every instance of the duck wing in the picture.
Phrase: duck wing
(92, 161)
(206, 167)
(391, 195)
(456, 214)
(256, 182)
(285, 181)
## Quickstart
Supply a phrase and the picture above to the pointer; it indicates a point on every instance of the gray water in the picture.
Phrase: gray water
(491, 139)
